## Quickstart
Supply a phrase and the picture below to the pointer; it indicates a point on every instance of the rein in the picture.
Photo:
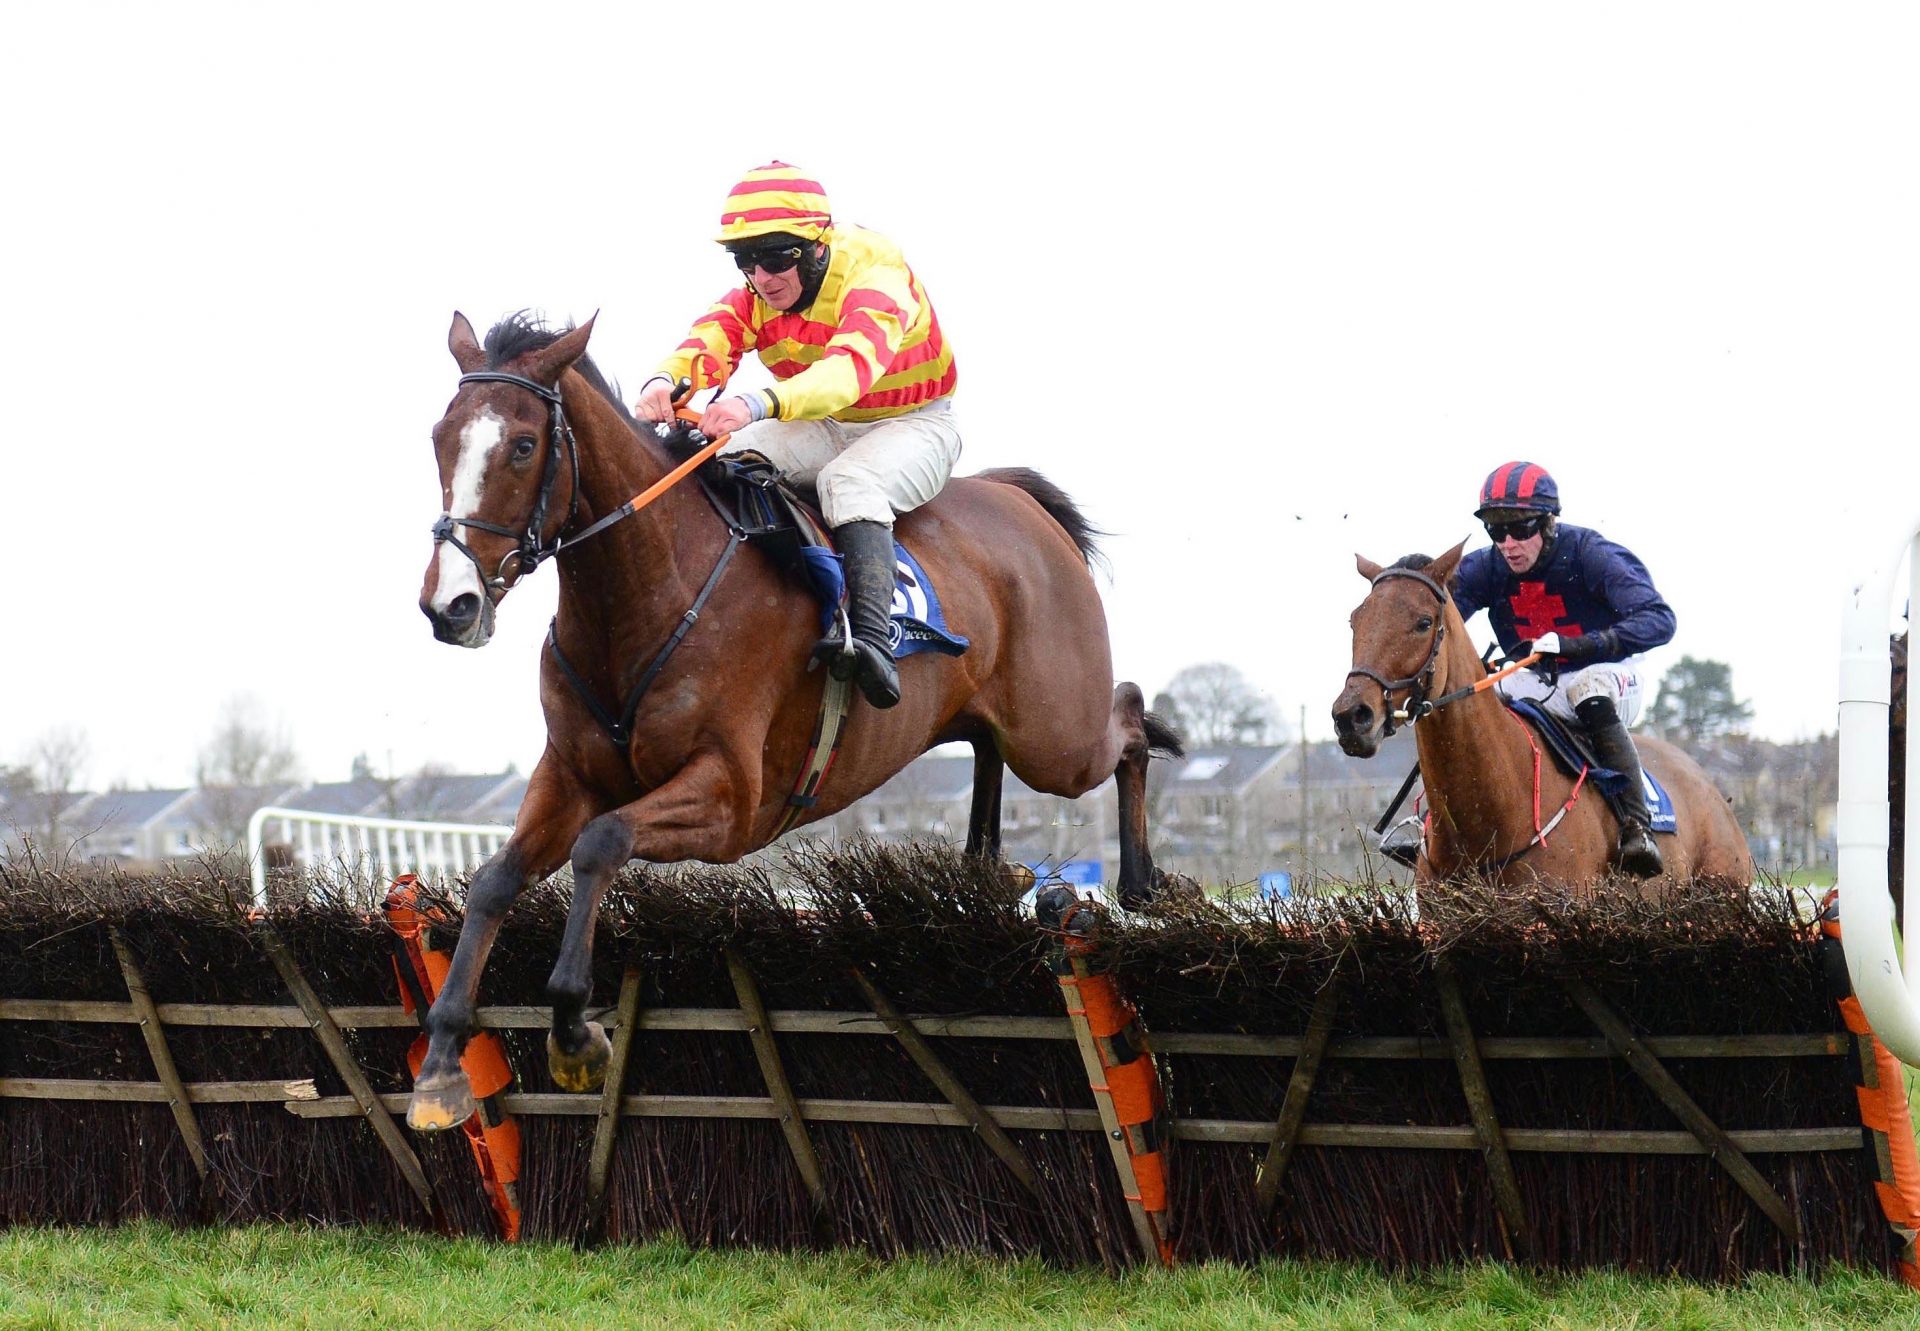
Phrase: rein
(1419, 705)
(533, 549)
(1420, 680)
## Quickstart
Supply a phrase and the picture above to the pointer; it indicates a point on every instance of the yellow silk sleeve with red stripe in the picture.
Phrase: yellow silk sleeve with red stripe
(716, 342)
(868, 347)
(869, 327)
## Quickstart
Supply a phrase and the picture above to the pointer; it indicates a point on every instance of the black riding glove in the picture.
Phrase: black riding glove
(1585, 647)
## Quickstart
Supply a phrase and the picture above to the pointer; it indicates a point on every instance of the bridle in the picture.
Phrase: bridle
(533, 549)
(1420, 683)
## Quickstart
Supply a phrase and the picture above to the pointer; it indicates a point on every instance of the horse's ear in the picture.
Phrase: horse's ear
(546, 364)
(1368, 569)
(465, 346)
(1441, 569)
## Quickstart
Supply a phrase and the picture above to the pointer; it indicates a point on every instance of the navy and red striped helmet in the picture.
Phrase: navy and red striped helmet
(1522, 485)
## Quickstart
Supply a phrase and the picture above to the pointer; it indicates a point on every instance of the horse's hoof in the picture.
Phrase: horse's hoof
(440, 1103)
(1018, 878)
(585, 1071)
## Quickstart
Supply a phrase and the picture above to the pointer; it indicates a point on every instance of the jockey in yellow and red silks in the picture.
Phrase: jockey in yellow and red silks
(862, 410)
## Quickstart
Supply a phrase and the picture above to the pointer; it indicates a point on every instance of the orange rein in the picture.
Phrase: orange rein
(1505, 670)
(1478, 686)
(658, 488)
(674, 477)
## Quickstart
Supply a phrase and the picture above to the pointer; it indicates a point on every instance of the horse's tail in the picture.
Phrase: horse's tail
(1059, 506)
(1163, 741)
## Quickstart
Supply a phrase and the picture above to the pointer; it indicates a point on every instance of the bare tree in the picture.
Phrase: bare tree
(244, 750)
(242, 756)
(55, 763)
(433, 792)
(1213, 703)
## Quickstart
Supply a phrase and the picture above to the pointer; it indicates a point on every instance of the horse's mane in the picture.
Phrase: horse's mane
(523, 331)
(1417, 563)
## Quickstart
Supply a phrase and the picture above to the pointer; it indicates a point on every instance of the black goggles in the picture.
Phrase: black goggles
(776, 260)
(1524, 530)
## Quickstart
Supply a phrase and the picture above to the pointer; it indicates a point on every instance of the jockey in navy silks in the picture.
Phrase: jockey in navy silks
(1589, 607)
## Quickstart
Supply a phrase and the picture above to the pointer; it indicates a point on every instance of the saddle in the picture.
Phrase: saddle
(755, 497)
(1572, 753)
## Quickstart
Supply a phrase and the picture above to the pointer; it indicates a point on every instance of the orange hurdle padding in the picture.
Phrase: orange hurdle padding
(1132, 1081)
(1881, 1085)
(492, 1134)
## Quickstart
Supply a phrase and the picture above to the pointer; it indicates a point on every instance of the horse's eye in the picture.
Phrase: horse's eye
(1425, 624)
(523, 448)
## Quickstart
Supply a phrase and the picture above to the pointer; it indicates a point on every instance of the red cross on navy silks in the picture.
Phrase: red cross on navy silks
(1537, 613)
(1587, 584)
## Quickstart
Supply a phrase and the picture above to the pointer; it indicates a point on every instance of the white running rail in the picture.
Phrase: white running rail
(1886, 990)
(368, 851)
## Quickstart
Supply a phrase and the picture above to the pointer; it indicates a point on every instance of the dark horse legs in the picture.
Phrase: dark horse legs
(983, 822)
(1146, 735)
(577, 1049)
(441, 1095)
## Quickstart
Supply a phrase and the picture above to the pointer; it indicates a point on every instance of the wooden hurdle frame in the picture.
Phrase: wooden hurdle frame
(918, 1035)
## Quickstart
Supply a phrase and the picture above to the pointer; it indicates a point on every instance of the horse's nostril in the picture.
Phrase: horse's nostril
(1362, 717)
(462, 610)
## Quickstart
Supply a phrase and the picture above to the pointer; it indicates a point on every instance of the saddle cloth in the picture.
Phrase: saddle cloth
(1571, 752)
(792, 532)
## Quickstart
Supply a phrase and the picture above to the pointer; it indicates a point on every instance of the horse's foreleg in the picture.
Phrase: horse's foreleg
(1138, 878)
(548, 818)
(704, 813)
(983, 822)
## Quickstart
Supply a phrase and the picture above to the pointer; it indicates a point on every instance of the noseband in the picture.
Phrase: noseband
(533, 549)
(1419, 685)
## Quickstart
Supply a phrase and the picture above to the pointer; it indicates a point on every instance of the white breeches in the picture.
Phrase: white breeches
(1618, 680)
(864, 471)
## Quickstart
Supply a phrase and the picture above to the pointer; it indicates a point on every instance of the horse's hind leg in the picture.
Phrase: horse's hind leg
(1143, 735)
(983, 822)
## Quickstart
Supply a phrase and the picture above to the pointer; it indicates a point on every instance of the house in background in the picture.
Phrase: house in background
(1223, 814)
(133, 827)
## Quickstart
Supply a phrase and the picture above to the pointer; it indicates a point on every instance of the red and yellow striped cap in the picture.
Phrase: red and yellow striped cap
(774, 198)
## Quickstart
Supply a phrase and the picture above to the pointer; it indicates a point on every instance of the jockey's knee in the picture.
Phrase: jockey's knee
(798, 448)
(853, 494)
(1597, 712)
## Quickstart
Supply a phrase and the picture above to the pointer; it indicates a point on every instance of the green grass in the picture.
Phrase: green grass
(277, 1276)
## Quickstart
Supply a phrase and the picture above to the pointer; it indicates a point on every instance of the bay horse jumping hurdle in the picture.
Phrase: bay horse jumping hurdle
(539, 460)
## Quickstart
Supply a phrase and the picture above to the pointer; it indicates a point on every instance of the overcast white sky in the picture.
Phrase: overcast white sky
(1261, 286)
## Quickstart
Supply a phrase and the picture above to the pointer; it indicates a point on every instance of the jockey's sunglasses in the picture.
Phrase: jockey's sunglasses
(776, 261)
(1524, 530)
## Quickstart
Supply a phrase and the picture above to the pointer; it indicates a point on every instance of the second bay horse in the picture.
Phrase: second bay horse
(1479, 759)
(678, 705)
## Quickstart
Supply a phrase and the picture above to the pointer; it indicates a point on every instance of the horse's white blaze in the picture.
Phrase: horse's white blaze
(478, 439)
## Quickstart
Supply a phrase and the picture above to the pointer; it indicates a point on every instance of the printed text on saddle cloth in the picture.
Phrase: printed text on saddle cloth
(918, 622)
(919, 625)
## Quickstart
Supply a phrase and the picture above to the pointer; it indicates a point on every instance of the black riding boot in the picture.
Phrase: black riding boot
(867, 556)
(1639, 855)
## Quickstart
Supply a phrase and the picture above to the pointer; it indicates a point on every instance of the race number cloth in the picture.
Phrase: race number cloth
(1571, 752)
(919, 624)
